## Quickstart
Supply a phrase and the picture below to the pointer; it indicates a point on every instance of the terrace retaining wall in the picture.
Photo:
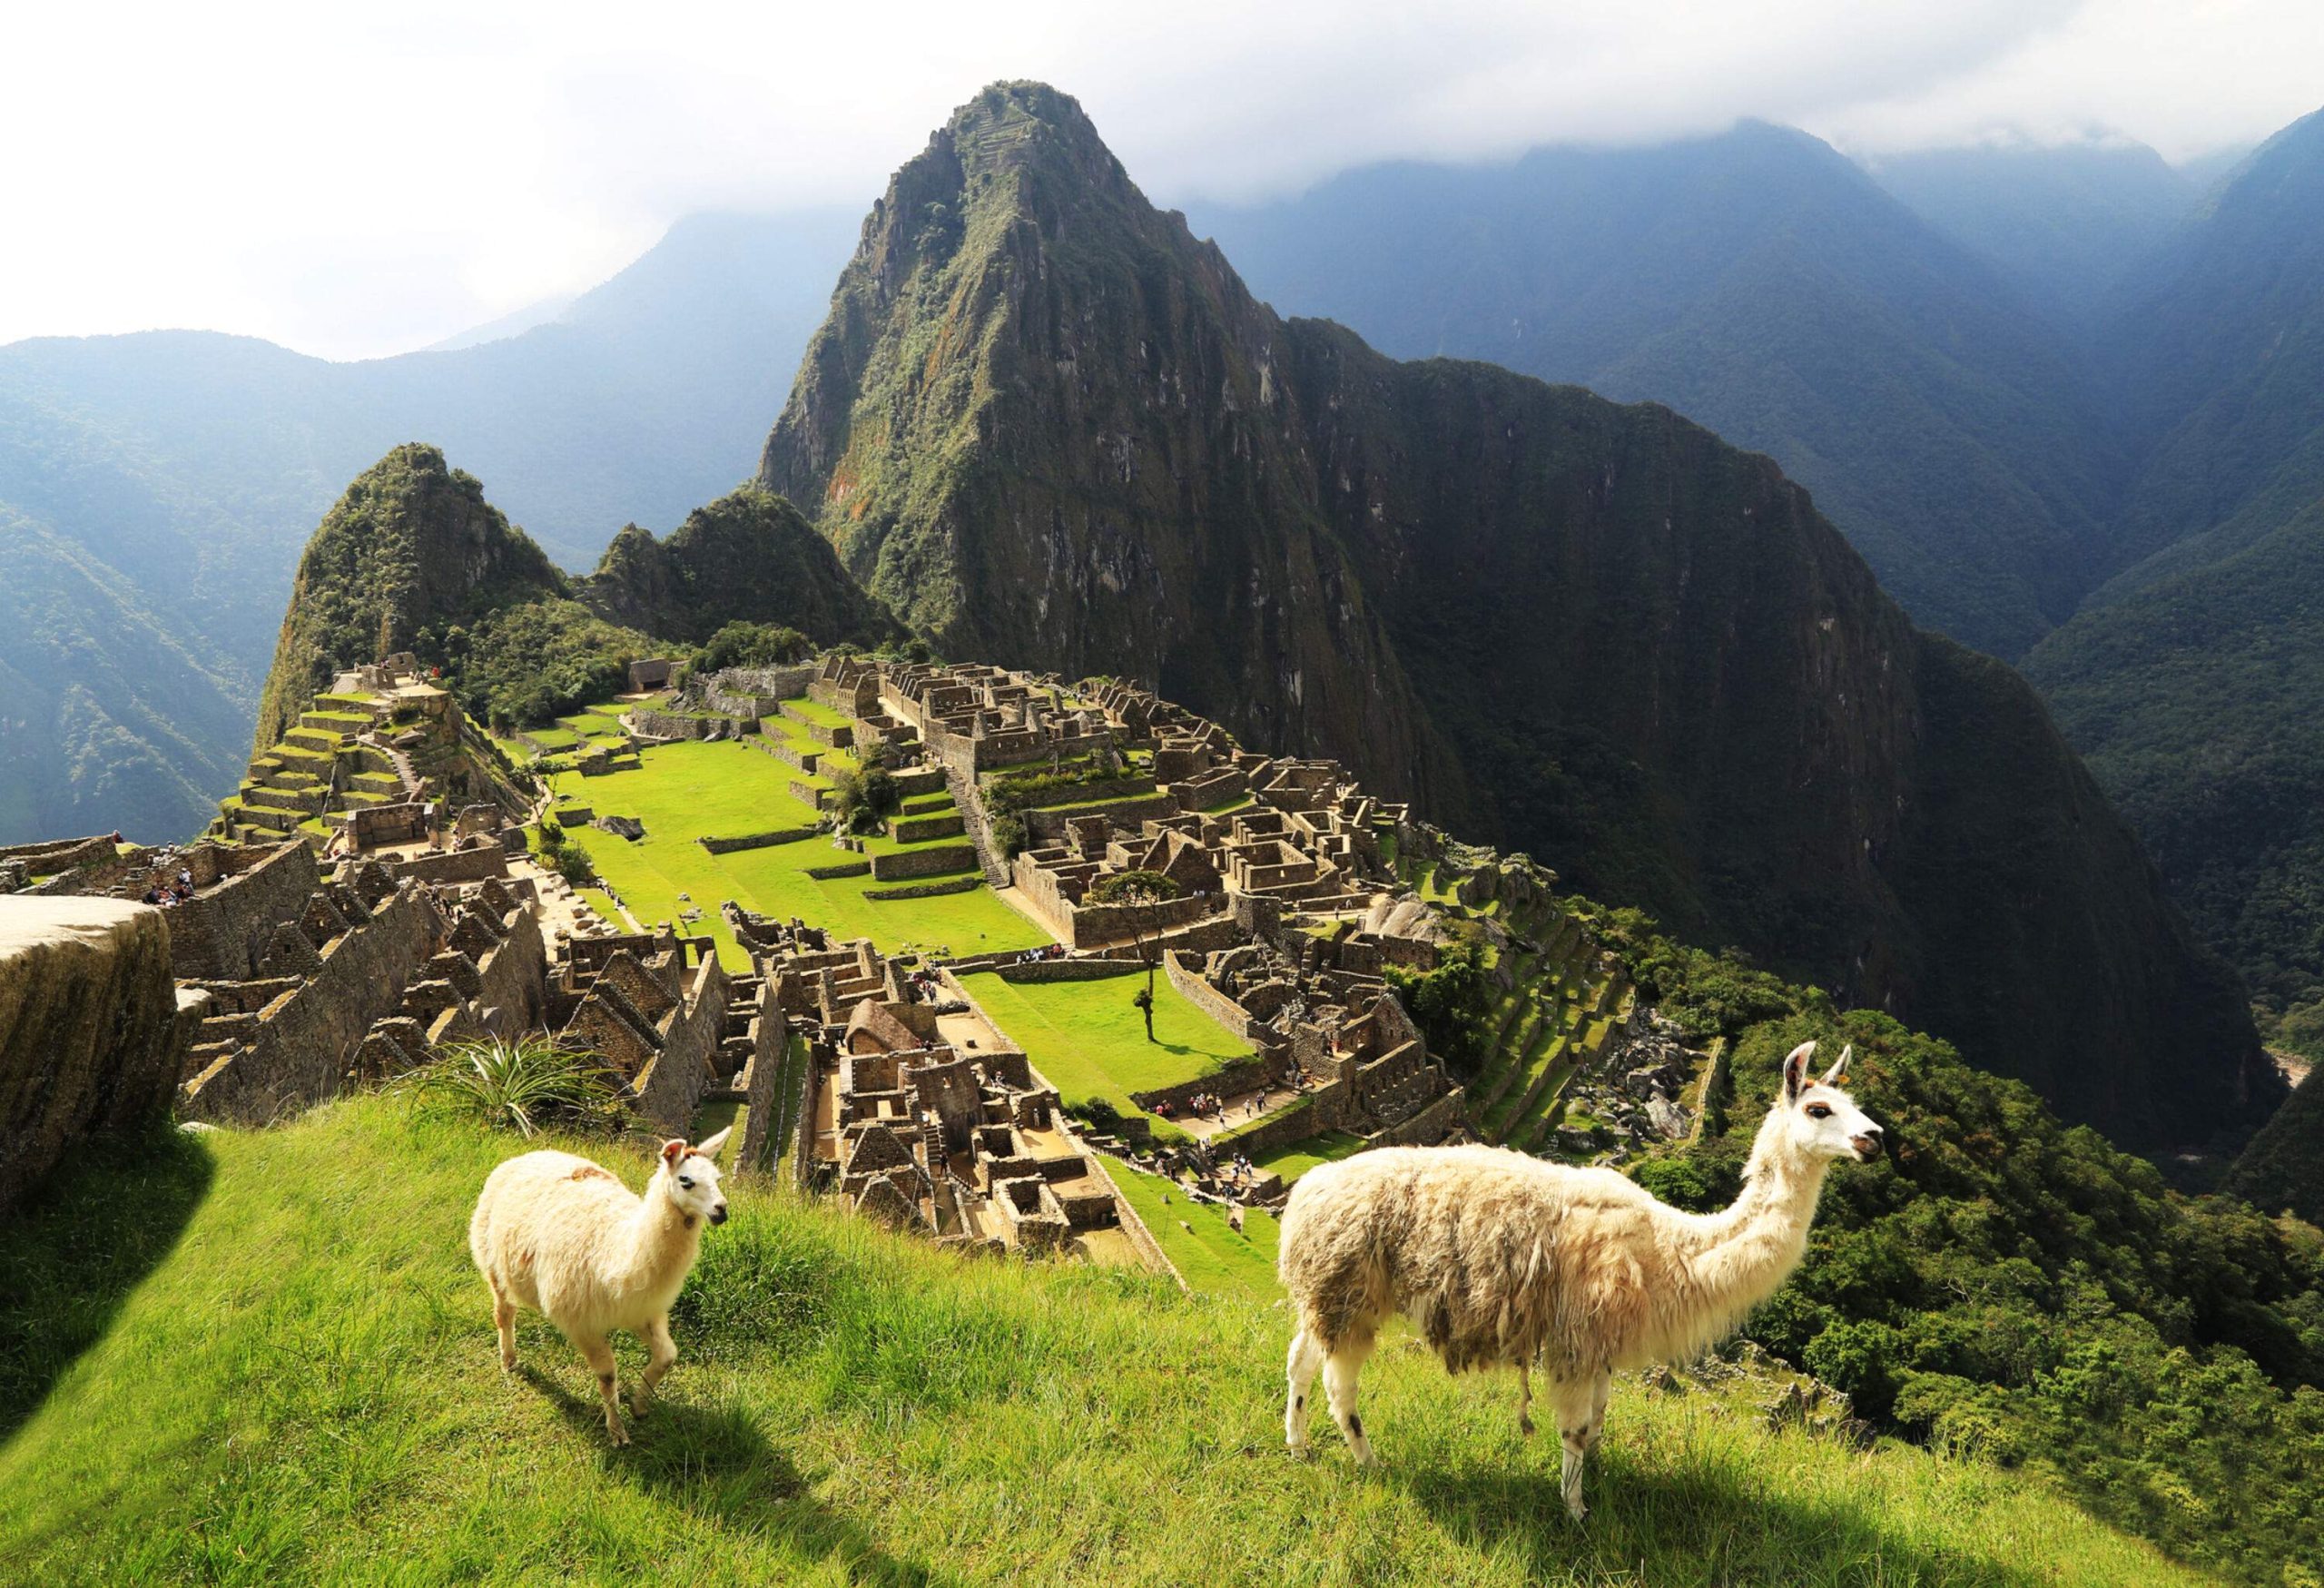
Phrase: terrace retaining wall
(757, 840)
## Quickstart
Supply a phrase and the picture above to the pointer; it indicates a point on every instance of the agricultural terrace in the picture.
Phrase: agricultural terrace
(683, 791)
(1089, 1041)
(1209, 1256)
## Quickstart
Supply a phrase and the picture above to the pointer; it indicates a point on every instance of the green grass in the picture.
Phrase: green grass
(1090, 1042)
(1196, 1239)
(815, 712)
(260, 1358)
(1297, 1159)
(682, 791)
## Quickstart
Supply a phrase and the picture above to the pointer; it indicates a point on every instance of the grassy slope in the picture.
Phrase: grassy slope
(301, 1386)
(684, 790)
(1090, 1042)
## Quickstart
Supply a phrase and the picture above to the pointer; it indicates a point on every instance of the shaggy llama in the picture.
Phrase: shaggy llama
(1498, 1257)
(564, 1237)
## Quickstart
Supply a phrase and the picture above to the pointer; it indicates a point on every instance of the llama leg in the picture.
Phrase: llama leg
(661, 1351)
(1306, 1361)
(1340, 1369)
(503, 1318)
(1573, 1400)
(1525, 1399)
(1601, 1392)
(601, 1363)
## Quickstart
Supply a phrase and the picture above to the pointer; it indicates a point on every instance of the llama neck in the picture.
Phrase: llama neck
(663, 1235)
(1742, 1254)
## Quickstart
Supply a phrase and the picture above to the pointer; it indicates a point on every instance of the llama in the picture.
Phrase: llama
(1498, 1257)
(564, 1237)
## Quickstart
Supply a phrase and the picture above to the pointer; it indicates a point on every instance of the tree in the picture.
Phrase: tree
(1144, 889)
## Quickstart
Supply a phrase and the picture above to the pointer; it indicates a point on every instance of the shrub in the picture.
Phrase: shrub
(527, 1085)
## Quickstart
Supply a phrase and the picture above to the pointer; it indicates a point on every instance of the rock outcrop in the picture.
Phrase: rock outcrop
(90, 1032)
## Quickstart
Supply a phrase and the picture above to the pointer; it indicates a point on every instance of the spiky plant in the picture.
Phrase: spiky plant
(527, 1084)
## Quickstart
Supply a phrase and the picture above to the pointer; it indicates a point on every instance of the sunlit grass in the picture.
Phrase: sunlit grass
(299, 1385)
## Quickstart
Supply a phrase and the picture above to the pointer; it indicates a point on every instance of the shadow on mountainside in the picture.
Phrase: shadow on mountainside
(76, 1249)
(714, 1462)
(1724, 1532)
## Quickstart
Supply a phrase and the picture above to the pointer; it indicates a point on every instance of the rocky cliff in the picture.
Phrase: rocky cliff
(90, 1039)
(748, 556)
(1048, 427)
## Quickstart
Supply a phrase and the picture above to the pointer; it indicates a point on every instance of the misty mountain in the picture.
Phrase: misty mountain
(1765, 286)
(2062, 225)
(177, 473)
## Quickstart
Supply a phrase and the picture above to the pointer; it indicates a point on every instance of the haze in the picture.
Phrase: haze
(355, 185)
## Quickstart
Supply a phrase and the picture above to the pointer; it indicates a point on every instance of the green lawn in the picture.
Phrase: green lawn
(816, 712)
(1090, 1042)
(1297, 1159)
(684, 790)
(253, 1357)
(1195, 1237)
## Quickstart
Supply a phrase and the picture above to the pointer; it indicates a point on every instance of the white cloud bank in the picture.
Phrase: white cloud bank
(352, 182)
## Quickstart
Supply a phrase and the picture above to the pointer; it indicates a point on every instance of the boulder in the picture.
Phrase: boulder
(93, 1032)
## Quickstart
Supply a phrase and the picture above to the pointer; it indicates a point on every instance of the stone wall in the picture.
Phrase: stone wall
(762, 1098)
(306, 1039)
(670, 1089)
(1090, 925)
(927, 890)
(1067, 970)
(1241, 1076)
(1049, 826)
(1430, 1125)
(92, 1029)
(1207, 998)
(757, 840)
(221, 935)
(454, 865)
(924, 862)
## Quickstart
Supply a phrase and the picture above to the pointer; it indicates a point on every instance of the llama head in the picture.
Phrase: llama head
(690, 1178)
(1820, 1121)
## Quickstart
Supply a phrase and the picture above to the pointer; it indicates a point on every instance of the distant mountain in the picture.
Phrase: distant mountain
(183, 470)
(1764, 285)
(2194, 682)
(2063, 224)
(1047, 427)
(413, 556)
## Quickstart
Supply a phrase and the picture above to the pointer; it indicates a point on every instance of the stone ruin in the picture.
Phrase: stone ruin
(917, 1111)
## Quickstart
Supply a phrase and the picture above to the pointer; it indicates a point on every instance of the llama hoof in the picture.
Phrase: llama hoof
(1525, 1424)
(637, 1404)
(508, 1363)
(618, 1434)
(1576, 1509)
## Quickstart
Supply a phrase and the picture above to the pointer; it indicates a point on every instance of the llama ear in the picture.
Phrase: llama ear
(1832, 1076)
(709, 1148)
(671, 1151)
(1795, 1071)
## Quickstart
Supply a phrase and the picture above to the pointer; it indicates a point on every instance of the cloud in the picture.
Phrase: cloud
(352, 183)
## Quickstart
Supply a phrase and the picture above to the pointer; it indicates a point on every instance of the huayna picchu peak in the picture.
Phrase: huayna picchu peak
(1045, 423)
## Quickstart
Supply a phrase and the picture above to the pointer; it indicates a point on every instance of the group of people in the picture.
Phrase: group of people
(166, 893)
(1055, 951)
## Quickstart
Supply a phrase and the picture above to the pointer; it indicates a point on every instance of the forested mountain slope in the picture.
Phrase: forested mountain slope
(182, 471)
(1047, 425)
(1763, 285)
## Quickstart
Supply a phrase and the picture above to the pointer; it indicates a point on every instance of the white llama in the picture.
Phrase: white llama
(1501, 1258)
(564, 1237)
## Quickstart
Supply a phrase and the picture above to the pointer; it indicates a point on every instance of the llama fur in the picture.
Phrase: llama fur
(1500, 1259)
(563, 1236)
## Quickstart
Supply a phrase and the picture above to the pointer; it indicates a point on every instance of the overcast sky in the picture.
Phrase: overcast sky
(351, 182)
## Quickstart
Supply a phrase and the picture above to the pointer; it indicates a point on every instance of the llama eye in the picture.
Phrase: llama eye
(685, 1184)
(1818, 1111)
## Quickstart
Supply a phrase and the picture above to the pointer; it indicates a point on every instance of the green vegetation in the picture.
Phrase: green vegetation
(750, 644)
(1089, 1039)
(529, 1085)
(1210, 1257)
(683, 790)
(1299, 1157)
(848, 1406)
(2283, 1169)
(2007, 1284)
